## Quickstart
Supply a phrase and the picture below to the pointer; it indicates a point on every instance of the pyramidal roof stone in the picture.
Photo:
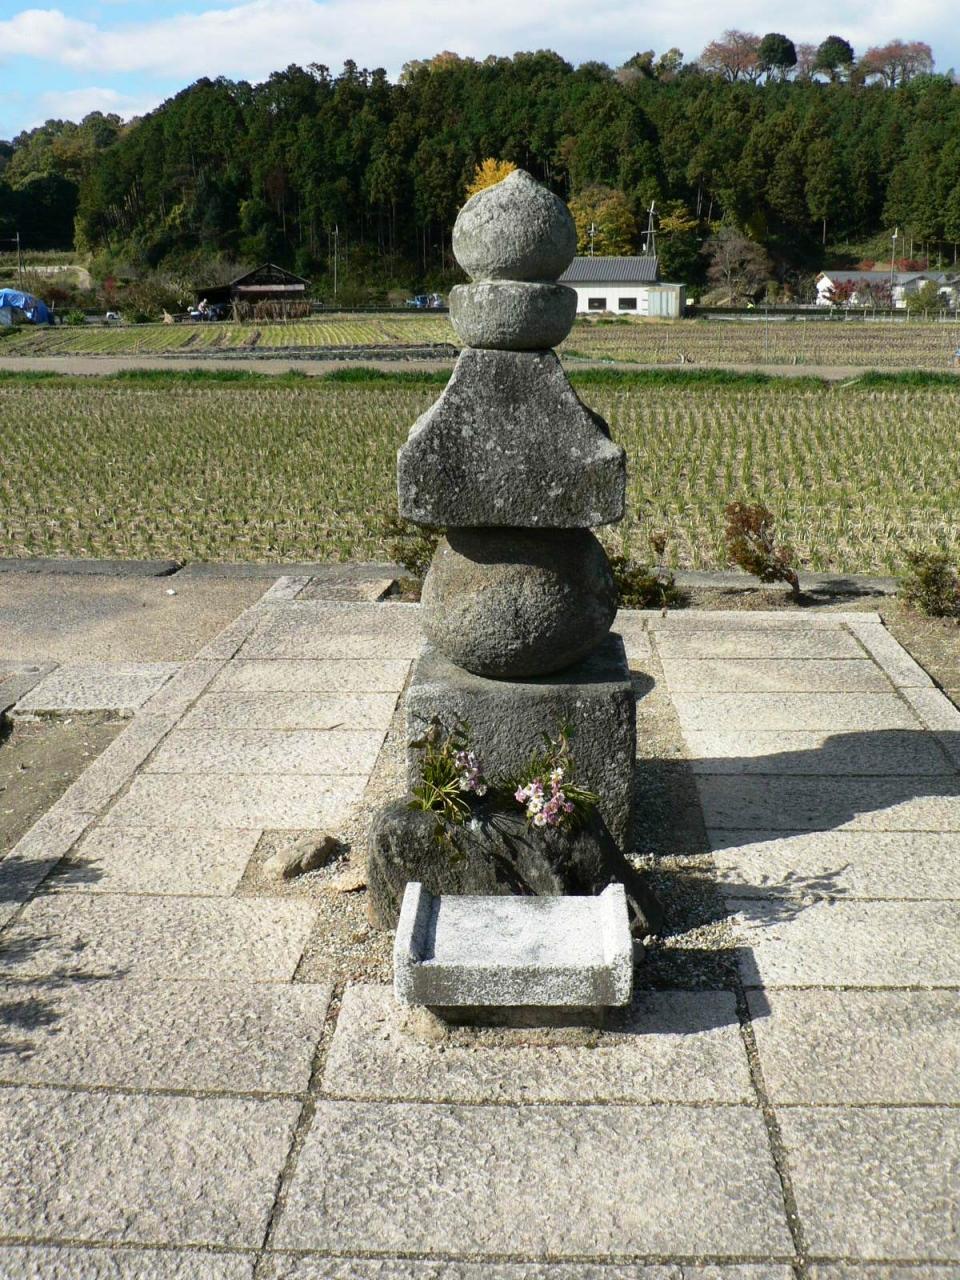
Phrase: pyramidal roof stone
(515, 230)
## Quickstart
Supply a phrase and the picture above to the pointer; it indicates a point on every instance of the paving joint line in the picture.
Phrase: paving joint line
(303, 1125)
(778, 1150)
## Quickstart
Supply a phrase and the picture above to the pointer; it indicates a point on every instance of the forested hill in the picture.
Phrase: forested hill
(270, 171)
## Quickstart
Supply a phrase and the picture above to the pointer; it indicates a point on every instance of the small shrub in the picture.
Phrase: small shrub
(931, 584)
(75, 317)
(641, 586)
(411, 545)
(751, 545)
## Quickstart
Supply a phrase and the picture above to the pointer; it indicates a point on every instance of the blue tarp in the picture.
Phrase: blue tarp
(35, 310)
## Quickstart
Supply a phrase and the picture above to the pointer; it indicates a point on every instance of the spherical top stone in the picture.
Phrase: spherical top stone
(515, 230)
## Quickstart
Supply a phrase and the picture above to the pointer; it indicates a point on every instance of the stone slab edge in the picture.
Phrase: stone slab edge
(939, 715)
(36, 853)
(285, 588)
(887, 652)
(732, 619)
(92, 568)
(18, 686)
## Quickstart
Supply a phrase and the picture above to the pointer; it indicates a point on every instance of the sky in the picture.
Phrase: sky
(126, 56)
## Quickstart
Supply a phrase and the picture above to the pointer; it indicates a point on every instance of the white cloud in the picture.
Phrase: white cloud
(253, 38)
(74, 104)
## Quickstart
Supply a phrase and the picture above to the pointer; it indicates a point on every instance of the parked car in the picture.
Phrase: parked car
(426, 302)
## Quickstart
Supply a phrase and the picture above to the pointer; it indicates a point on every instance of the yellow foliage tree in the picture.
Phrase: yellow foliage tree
(608, 212)
(488, 173)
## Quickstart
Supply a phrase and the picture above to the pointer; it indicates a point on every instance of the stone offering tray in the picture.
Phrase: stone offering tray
(532, 952)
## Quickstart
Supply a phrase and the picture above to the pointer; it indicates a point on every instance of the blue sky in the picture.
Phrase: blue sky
(128, 55)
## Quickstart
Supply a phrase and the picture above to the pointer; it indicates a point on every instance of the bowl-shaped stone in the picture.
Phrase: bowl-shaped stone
(514, 230)
(512, 315)
(509, 603)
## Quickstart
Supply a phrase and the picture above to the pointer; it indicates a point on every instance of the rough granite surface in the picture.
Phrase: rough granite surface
(508, 720)
(512, 315)
(514, 230)
(509, 603)
(510, 443)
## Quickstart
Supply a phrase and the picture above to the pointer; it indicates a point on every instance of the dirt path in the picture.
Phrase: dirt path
(100, 365)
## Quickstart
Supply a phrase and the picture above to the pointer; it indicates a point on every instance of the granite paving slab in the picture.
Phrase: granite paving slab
(536, 1182)
(755, 619)
(267, 752)
(876, 1182)
(287, 675)
(110, 935)
(858, 1046)
(142, 1034)
(673, 1046)
(755, 643)
(804, 675)
(879, 1271)
(281, 1267)
(237, 800)
(140, 1169)
(178, 860)
(311, 629)
(121, 687)
(882, 751)
(792, 943)
(817, 804)
(836, 713)
(847, 864)
(55, 1262)
(286, 710)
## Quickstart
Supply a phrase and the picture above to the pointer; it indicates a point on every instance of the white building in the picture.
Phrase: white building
(871, 288)
(624, 286)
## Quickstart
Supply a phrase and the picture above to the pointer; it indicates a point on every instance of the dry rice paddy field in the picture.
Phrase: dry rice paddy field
(274, 469)
(899, 344)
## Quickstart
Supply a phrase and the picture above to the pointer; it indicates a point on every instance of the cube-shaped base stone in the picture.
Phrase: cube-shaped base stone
(533, 952)
(508, 718)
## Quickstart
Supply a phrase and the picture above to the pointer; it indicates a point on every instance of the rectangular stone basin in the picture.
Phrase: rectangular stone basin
(533, 952)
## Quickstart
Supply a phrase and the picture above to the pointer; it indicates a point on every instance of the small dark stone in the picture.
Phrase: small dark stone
(496, 855)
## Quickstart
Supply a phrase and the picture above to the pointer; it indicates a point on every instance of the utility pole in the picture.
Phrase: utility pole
(650, 236)
(893, 259)
(336, 251)
(593, 231)
(16, 240)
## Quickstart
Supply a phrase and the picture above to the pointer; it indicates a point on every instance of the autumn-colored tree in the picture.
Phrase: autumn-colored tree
(737, 264)
(898, 62)
(806, 61)
(608, 212)
(488, 173)
(735, 56)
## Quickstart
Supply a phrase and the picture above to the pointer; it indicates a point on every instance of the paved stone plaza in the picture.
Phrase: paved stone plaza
(181, 1099)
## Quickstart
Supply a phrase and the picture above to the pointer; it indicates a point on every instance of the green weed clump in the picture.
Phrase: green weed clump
(931, 584)
(642, 586)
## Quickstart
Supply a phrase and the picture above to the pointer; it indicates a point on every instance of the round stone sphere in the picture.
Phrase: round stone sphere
(514, 230)
(512, 315)
(509, 603)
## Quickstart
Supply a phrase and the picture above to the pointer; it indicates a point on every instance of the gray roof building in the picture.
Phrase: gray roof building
(586, 270)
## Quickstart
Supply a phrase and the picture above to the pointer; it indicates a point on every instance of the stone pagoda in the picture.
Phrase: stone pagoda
(519, 600)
